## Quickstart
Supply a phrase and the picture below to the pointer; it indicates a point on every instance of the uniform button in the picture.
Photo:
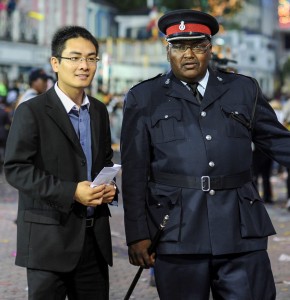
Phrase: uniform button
(208, 137)
(83, 162)
(166, 116)
(203, 113)
(212, 192)
(211, 164)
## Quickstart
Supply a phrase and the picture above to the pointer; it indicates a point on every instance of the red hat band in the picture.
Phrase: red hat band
(190, 27)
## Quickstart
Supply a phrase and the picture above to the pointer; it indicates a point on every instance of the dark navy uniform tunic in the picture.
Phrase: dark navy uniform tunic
(166, 130)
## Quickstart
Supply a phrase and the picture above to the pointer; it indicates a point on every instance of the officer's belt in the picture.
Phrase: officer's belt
(204, 183)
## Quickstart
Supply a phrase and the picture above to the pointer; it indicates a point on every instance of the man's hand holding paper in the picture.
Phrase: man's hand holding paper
(107, 175)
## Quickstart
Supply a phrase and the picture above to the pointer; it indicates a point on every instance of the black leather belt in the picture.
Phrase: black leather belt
(90, 222)
(204, 183)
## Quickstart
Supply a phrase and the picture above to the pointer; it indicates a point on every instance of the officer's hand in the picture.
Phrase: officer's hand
(138, 254)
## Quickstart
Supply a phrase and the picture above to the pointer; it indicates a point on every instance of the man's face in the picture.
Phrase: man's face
(189, 65)
(77, 75)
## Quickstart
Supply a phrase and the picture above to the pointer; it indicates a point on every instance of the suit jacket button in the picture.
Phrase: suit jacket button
(83, 162)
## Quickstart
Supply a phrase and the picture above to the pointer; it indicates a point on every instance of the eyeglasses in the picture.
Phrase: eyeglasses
(78, 60)
(199, 49)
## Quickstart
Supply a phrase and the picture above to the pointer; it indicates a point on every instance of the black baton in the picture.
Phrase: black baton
(150, 251)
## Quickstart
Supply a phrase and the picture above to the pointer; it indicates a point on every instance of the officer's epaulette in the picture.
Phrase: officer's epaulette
(226, 71)
(149, 79)
(236, 73)
(243, 75)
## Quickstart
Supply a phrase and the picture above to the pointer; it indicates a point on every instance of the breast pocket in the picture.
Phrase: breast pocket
(237, 120)
(167, 125)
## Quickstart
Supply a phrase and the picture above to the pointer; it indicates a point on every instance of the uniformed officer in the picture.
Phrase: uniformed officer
(187, 152)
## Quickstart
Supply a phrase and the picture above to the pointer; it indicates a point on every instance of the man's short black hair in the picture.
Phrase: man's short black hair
(70, 32)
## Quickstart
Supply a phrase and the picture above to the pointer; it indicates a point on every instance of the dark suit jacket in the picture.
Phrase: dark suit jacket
(166, 130)
(45, 161)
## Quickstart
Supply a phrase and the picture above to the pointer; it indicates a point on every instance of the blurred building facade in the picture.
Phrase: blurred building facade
(131, 47)
(27, 29)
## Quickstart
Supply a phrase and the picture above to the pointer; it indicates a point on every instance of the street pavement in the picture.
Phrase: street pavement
(13, 284)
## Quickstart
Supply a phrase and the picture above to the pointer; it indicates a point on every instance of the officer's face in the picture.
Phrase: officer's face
(189, 59)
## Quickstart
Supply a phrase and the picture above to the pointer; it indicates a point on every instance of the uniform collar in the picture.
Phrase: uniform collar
(201, 84)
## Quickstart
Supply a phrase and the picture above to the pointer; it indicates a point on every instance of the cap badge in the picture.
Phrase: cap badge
(181, 26)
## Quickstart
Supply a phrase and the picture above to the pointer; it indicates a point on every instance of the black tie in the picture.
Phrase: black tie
(196, 93)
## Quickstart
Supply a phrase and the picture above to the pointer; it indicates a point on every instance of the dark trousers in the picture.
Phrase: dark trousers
(88, 281)
(243, 276)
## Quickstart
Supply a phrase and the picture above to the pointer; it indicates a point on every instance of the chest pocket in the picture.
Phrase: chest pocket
(237, 120)
(167, 125)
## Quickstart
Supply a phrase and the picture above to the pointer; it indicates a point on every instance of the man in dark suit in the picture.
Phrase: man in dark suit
(187, 152)
(57, 144)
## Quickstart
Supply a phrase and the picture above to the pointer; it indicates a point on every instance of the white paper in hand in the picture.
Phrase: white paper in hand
(106, 175)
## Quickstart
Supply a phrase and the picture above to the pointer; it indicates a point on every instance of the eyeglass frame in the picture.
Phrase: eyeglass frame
(78, 60)
(193, 48)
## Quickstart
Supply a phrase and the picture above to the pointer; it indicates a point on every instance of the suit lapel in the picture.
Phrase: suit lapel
(58, 114)
(95, 130)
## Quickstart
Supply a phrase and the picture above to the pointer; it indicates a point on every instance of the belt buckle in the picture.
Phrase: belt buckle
(205, 183)
(89, 222)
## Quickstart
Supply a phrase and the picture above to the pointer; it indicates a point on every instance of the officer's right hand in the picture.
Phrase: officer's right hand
(138, 254)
